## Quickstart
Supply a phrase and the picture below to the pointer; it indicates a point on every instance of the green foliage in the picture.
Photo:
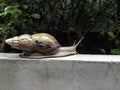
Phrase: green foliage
(15, 20)
(115, 51)
(63, 16)
(102, 51)
(13, 10)
(25, 6)
(113, 37)
(36, 16)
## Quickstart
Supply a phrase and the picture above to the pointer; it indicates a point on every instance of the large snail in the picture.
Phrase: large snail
(41, 45)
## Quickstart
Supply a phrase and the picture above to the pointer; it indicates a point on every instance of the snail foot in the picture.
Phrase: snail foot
(24, 54)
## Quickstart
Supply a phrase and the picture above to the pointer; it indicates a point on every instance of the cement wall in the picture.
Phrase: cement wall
(78, 72)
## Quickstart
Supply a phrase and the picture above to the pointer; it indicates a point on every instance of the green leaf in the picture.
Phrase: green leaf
(10, 23)
(102, 51)
(117, 42)
(36, 16)
(16, 13)
(71, 29)
(115, 51)
(111, 35)
(2, 5)
(23, 26)
(25, 6)
(8, 9)
(60, 11)
(13, 10)
(2, 14)
(102, 33)
(14, 32)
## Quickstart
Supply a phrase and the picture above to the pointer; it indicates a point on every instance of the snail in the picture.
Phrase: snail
(41, 45)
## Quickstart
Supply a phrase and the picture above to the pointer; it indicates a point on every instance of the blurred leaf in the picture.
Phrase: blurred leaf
(102, 51)
(117, 42)
(13, 10)
(10, 23)
(14, 32)
(102, 33)
(23, 26)
(16, 12)
(111, 35)
(2, 5)
(2, 14)
(8, 9)
(36, 16)
(70, 29)
(61, 12)
(25, 6)
(115, 51)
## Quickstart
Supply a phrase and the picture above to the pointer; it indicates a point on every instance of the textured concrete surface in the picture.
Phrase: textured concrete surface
(77, 72)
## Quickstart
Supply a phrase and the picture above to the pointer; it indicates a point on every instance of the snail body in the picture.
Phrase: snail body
(41, 45)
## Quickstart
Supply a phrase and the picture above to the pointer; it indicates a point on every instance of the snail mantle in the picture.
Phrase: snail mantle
(76, 72)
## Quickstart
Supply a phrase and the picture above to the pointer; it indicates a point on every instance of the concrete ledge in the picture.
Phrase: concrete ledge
(77, 72)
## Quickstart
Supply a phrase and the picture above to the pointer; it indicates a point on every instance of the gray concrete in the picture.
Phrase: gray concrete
(77, 72)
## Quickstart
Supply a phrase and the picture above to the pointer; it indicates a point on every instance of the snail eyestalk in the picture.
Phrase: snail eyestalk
(79, 42)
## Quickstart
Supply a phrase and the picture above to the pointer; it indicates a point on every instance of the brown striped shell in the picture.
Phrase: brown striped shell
(42, 43)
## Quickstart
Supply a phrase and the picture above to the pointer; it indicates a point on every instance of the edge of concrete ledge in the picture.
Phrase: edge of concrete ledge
(78, 57)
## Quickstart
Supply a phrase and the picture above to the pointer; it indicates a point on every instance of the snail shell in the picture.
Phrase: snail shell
(40, 45)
